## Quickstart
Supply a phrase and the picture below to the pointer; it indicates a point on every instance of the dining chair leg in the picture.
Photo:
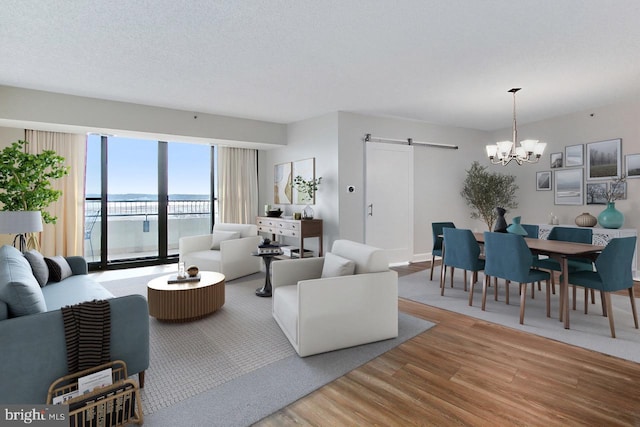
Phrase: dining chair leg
(433, 266)
(452, 271)
(548, 298)
(574, 296)
(471, 285)
(607, 298)
(633, 307)
(443, 278)
(586, 301)
(553, 282)
(539, 287)
(484, 291)
(465, 280)
(523, 298)
(506, 291)
(593, 296)
(533, 290)
(495, 288)
(604, 304)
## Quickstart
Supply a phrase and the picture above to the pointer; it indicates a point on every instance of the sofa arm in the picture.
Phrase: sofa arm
(291, 271)
(190, 244)
(78, 265)
(30, 372)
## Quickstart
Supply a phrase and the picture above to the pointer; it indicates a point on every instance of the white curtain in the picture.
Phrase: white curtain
(66, 236)
(238, 185)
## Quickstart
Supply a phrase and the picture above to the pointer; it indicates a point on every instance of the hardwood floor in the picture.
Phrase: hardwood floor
(466, 371)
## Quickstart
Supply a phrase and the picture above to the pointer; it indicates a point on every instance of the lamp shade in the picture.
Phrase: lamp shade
(20, 222)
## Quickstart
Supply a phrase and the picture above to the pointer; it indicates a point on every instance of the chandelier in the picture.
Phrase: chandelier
(503, 152)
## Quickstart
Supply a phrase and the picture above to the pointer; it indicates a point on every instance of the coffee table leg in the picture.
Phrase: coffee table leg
(265, 291)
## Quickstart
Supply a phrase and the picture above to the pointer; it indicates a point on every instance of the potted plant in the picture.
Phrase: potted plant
(25, 181)
(308, 189)
(485, 191)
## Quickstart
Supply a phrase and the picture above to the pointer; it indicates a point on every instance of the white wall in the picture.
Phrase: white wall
(438, 172)
(621, 120)
(32, 109)
(316, 137)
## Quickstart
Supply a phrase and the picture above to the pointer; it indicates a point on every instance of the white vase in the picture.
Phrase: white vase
(307, 213)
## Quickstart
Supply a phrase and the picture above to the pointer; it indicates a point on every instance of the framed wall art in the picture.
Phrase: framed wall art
(568, 184)
(596, 193)
(573, 155)
(632, 163)
(603, 159)
(556, 160)
(543, 181)
(282, 184)
(307, 170)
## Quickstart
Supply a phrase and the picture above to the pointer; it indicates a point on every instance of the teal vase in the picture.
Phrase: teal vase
(611, 217)
(516, 228)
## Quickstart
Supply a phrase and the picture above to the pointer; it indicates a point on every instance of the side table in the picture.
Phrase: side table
(265, 291)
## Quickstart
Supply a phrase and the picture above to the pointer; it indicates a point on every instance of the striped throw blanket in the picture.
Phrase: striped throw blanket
(87, 328)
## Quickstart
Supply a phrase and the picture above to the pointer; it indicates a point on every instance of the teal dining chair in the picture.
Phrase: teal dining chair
(461, 251)
(613, 273)
(436, 233)
(567, 234)
(508, 257)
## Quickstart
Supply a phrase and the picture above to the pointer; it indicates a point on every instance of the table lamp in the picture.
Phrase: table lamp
(20, 223)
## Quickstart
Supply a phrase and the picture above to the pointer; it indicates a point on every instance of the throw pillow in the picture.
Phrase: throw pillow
(19, 289)
(220, 236)
(38, 266)
(59, 268)
(335, 266)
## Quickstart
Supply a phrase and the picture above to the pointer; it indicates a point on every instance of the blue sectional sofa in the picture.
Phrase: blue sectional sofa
(32, 337)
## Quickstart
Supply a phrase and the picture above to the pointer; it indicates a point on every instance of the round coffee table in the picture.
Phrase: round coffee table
(183, 302)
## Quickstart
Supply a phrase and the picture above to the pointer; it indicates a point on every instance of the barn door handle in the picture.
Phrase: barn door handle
(370, 209)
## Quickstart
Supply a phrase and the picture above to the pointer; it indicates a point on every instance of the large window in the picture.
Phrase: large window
(142, 196)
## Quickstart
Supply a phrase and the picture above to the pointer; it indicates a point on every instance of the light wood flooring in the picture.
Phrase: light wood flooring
(465, 371)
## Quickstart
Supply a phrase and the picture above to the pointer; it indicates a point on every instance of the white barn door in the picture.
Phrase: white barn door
(389, 199)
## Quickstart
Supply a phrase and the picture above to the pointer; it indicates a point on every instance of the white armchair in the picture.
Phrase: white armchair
(323, 314)
(233, 258)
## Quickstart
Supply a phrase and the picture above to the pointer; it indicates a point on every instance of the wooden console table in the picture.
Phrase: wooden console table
(298, 228)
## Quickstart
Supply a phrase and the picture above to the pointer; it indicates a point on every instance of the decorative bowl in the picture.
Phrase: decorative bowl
(274, 214)
(192, 271)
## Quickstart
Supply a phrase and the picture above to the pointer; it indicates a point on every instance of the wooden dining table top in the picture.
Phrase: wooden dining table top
(556, 247)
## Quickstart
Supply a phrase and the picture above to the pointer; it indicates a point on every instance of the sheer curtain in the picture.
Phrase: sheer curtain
(238, 185)
(66, 236)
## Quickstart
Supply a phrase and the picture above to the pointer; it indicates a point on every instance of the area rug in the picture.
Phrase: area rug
(589, 331)
(235, 366)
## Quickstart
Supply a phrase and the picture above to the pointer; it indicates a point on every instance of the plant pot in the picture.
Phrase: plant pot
(611, 217)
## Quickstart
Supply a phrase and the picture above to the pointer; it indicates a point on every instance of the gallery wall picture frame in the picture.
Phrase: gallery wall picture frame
(574, 155)
(632, 165)
(596, 193)
(543, 181)
(282, 182)
(305, 168)
(604, 159)
(556, 160)
(568, 186)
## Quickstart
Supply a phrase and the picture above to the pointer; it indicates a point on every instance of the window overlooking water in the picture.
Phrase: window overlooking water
(156, 193)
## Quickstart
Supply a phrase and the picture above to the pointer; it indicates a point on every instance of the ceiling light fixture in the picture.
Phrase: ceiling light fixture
(503, 152)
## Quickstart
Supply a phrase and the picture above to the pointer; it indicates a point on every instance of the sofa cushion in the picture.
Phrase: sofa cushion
(245, 230)
(335, 266)
(38, 266)
(73, 290)
(220, 236)
(59, 268)
(19, 288)
(368, 259)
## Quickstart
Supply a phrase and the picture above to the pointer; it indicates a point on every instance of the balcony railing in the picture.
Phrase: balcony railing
(133, 226)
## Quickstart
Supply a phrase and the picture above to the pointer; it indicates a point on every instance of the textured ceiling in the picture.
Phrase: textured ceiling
(443, 61)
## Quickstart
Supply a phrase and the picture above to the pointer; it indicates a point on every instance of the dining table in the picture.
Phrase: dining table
(559, 250)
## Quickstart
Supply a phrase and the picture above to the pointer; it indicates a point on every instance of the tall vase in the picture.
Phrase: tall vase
(307, 213)
(611, 217)
(501, 223)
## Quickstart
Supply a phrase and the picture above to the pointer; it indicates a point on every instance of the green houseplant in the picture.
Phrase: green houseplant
(308, 189)
(25, 181)
(485, 191)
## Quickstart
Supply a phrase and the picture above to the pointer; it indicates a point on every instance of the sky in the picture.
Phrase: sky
(133, 166)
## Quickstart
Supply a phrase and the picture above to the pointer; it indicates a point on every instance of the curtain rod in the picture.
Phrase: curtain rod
(409, 141)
